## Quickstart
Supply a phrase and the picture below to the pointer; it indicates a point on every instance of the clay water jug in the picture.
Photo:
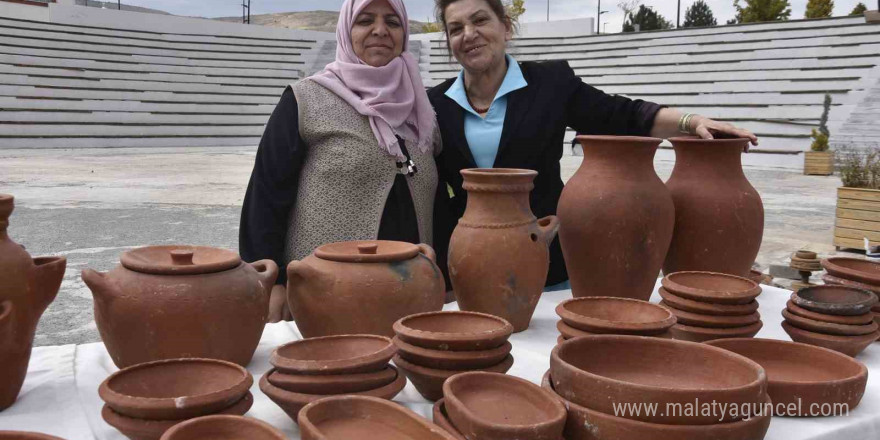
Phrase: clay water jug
(719, 217)
(27, 287)
(499, 252)
(615, 219)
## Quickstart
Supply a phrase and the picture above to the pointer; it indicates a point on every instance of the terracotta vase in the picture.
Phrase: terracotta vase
(363, 287)
(719, 217)
(169, 302)
(29, 285)
(615, 218)
(499, 252)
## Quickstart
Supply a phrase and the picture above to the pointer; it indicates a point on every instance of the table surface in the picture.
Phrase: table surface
(60, 394)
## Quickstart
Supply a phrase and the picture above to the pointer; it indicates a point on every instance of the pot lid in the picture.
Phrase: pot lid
(367, 251)
(179, 260)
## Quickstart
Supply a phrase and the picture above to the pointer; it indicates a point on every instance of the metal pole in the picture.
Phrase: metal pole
(249, 11)
(678, 15)
(548, 9)
(599, 14)
(119, 4)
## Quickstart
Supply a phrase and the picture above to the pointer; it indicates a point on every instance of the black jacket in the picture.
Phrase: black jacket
(532, 138)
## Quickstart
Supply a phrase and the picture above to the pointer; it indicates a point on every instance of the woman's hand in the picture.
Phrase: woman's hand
(710, 129)
(278, 309)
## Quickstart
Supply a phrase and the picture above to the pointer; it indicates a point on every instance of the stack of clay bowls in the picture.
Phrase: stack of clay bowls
(711, 305)
(314, 368)
(223, 428)
(607, 315)
(436, 345)
(607, 381)
(854, 272)
(145, 400)
(835, 317)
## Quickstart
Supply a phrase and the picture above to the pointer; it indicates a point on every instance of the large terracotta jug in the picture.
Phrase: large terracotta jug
(27, 287)
(499, 252)
(616, 219)
(719, 217)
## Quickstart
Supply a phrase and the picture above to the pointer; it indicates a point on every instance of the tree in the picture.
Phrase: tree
(859, 9)
(819, 8)
(762, 10)
(647, 19)
(515, 9)
(820, 136)
(699, 14)
(628, 6)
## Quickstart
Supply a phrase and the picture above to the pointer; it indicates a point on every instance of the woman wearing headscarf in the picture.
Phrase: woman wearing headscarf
(348, 152)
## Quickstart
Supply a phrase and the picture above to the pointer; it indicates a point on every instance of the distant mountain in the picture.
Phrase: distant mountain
(115, 5)
(324, 21)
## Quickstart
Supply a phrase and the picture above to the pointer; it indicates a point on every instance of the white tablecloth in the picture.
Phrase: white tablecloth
(60, 394)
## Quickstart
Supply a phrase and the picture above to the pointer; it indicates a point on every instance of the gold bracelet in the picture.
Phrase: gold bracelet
(684, 123)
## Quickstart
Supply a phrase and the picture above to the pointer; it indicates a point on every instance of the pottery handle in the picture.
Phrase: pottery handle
(549, 226)
(98, 283)
(267, 270)
(428, 251)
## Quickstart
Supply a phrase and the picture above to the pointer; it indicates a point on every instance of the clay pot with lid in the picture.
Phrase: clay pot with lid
(362, 287)
(220, 427)
(616, 218)
(29, 285)
(499, 252)
(168, 302)
(719, 216)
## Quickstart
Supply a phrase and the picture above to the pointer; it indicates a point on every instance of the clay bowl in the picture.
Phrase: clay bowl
(493, 406)
(292, 402)
(223, 428)
(848, 345)
(757, 276)
(835, 300)
(837, 281)
(568, 332)
(793, 308)
(453, 330)
(429, 381)
(827, 327)
(175, 389)
(587, 424)
(19, 435)
(705, 308)
(602, 314)
(701, 320)
(701, 334)
(711, 287)
(139, 429)
(340, 354)
(332, 384)
(364, 418)
(854, 269)
(441, 419)
(452, 360)
(600, 371)
(802, 375)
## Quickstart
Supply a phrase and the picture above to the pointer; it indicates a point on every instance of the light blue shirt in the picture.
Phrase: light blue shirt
(484, 134)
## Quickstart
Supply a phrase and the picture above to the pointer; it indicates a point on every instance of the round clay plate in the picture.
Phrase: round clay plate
(824, 317)
(340, 354)
(453, 330)
(332, 383)
(700, 334)
(441, 419)
(705, 308)
(223, 428)
(615, 315)
(848, 345)
(855, 269)
(568, 332)
(835, 300)
(711, 287)
(452, 360)
(827, 327)
(179, 260)
(701, 320)
(367, 251)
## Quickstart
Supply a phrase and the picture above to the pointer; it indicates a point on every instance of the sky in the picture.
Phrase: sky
(422, 10)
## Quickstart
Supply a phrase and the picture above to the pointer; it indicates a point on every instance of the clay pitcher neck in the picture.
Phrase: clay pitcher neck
(49, 273)
(620, 156)
(498, 195)
(720, 158)
(7, 205)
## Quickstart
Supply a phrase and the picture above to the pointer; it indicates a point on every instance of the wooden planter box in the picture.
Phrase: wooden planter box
(858, 217)
(819, 163)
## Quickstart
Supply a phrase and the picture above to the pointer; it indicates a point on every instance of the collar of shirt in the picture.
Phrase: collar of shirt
(513, 80)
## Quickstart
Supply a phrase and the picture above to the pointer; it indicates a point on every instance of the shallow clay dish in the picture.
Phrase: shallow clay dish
(292, 402)
(568, 332)
(866, 318)
(223, 428)
(429, 381)
(802, 374)
(848, 345)
(854, 269)
(364, 418)
(452, 360)
(453, 330)
(603, 370)
(837, 281)
(339, 354)
(705, 308)
(835, 300)
(19, 435)
(712, 287)
(175, 389)
(701, 334)
(827, 327)
(492, 406)
(601, 314)
(587, 424)
(441, 419)
(701, 320)
(333, 383)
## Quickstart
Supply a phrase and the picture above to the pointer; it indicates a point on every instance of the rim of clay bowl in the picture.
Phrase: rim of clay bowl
(179, 260)
(648, 141)
(699, 140)
(438, 374)
(838, 281)
(738, 290)
(853, 269)
(21, 435)
(370, 353)
(568, 332)
(155, 428)
(852, 344)
(706, 308)
(223, 424)
(460, 360)
(320, 383)
(491, 337)
(847, 300)
(499, 172)
(717, 333)
(441, 419)
(575, 313)
(865, 318)
(828, 327)
(367, 251)
(211, 400)
(716, 321)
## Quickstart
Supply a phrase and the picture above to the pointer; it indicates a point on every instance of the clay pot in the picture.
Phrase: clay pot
(292, 402)
(223, 428)
(19, 435)
(175, 389)
(848, 345)
(827, 327)
(615, 315)
(452, 360)
(706, 308)
(835, 300)
(701, 320)
(429, 381)
(441, 419)
(492, 406)
(837, 281)
(341, 354)
(30, 285)
(854, 269)
(616, 218)
(587, 424)
(711, 287)
(454, 330)
(362, 287)
(207, 303)
(719, 217)
(803, 375)
(498, 221)
(364, 418)
(334, 383)
(691, 333)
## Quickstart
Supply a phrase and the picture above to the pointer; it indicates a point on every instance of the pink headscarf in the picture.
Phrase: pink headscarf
(391, 95)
